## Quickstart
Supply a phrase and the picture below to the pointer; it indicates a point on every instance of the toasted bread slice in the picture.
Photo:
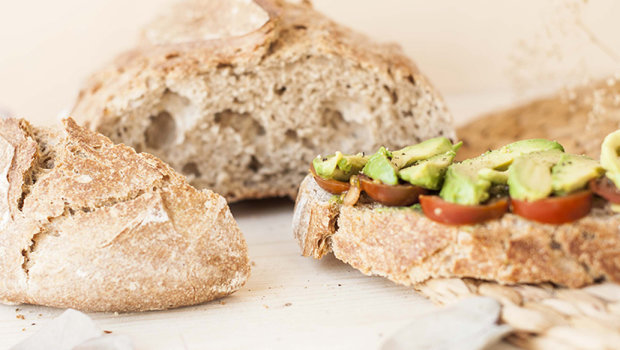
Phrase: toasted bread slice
(406, 247)
(94, 226)
(244, 113)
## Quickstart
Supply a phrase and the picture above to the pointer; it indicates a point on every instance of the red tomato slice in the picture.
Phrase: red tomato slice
(449, 213)
(392, 195)
(605, 188)
(555, 210)
(330, 185)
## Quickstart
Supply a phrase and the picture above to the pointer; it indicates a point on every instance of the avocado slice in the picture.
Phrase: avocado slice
(533, 145)
(339, 166)
(493, 176)
(466, 184)
(423, 150)
(379, 167)
(572, 172)
(529, 176)
(428, 173)
(610, 149)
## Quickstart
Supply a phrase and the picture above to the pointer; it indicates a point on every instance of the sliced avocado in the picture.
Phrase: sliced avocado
(339, 166)
(529, 179)
(325, 167)
(529, 176)
(533, 145)
(428, 173)
(423, 150)
(493, 176)
(379, 167)
(352, 164)
(573, 172)
(610, 150)
(464, 182)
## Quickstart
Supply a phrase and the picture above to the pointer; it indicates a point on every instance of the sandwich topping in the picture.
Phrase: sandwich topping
(535, 179)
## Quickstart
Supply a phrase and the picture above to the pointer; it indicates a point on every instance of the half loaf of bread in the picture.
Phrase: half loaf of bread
(94, 226)
(406, 247)
(240, 96)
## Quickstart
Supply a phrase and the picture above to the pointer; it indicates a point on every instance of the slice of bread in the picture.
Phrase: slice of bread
(406, 247)
(94, 226)
(245, 114)
(578, 119)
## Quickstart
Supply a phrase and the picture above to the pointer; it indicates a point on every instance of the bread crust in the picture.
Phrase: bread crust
(95, 226)
(133, 87)
(406, 247)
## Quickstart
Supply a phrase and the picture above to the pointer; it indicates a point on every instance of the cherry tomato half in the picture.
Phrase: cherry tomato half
(392, 195)
(330, 185)
(555, 210)
(605, 188)
(450, 213)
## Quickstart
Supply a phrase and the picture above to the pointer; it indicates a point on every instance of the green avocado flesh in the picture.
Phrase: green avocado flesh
(540, 174)
(533, 169)
(467, 183)
(423, 150)
(379, 167)
(529, 176)
(573, 172)
(428, 173)
(339, 166)
(610, 150)
(422, 165)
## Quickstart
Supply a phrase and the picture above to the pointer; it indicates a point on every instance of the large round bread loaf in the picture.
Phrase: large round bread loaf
(94, 226)
(244, 114)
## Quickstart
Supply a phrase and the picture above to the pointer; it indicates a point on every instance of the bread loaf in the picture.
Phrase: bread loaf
(243, 114)
(94, 226)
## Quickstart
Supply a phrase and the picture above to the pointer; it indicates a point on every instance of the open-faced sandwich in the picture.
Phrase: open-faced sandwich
(527, 212)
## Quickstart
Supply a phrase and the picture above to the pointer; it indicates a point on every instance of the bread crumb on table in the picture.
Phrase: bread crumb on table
(20, 316)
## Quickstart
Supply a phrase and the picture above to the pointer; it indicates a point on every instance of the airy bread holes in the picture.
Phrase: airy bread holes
(352, 135)
(291, 134)
(242, 123)
(161, 132)
(191, 169)
(254, 164)
(279, 90)
(392, 93)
